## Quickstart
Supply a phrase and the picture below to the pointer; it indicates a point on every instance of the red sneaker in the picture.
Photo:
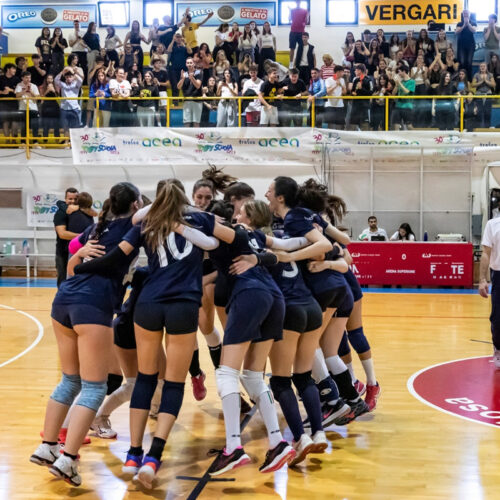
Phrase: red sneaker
(360, 387)
(199, 389)
(372, 394)
(61, 439)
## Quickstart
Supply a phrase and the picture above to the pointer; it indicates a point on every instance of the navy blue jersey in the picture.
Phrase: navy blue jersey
(176, 266)
(104, 293)
(138, 279)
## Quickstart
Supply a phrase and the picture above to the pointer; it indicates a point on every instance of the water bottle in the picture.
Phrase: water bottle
(426, 236)
(13, 249)
(8, 248)
(26, 247)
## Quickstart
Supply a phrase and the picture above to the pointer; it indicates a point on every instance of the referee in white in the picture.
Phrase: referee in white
(490, 259)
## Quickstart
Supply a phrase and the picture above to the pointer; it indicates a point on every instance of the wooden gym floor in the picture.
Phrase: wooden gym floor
(405, 449)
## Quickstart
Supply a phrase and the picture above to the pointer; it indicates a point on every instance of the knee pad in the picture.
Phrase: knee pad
(302, 381)
(254, 384)
(171, 397)
(144, 389)
(279, 385)
(114, 381)
(227, 380)
(344, 348)
(358, 340)
(67, 390)
(93, 394)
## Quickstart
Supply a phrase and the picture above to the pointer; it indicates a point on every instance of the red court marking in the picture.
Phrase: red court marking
(466, 388)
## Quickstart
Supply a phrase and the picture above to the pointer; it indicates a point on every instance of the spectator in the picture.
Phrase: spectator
(434, 73)
(99, 91)
(210, 90)
(79, 47)
(256, 32)
(426, 44)
(491, 37)
(247, 43)
(348, 47)
(299, 18)
(112, 42)
(83, 217)
(419, 74)
(63, 236)
(442, 44)
(402, 115)
(203, 61)
(99, 64)
(135, 37)
(383, 87)
(362, 85)
(58, 45)
(21, 66)
(382, 69)
(44, 47)
(146, 107)
(27, 93)
(451, 64)
(484, 83)
(393, 65)
(227, 109)
(305, 59)
(220, 65)
(317, 90)
(120, 89)
(494, 69)
(328, 68)
(470, 113)
(282, 71)
(334, 108)
(49, 109)
(294, 88)
(234, 38)
(366, 37)
(375, 56)
(462, 83)
(409, 47)
(465, 41)
(160, 77)
(266, 46)
(252, 87)
(189, 31)
(38, 71)
(384, 46)
(153, 36)
(127, 58)
(359, 53)
(160, 52)
(179, 54)
(244, 69)
(167, 30)
(373, 232)
(394, 46)
(404, 233)
(221, 41)
(73, 64)
(190, 84)
(269, 91)
(8, 109)
(69, 82)
(91, 38)
(443, 110)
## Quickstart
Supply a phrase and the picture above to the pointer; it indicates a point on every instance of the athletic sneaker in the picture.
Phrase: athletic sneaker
(320, 443)
(132, 464)
(302, 447)
(332, 413)
(372, 394)
(199, 389)
(224, 463)
(496, 358)
(102, 427)
(244, 406)
(277, 457)
(61, 439)
(66, 468)
(45, 454)
(360, 387)
(147, 472)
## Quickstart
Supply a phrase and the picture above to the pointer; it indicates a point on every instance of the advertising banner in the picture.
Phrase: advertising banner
(40, 209)
(409, 12)
(241, 13)
(394, 263)
(40, 16)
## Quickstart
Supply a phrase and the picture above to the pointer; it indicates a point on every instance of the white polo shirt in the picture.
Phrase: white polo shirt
(491, 238)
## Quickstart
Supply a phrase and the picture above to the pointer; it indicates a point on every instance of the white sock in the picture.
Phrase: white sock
(157, 395)
(231, 409)
(351, 371)
(213, 339)
(117, 398)
(267, 410)
(319, 369)
(335, 364)
(370, 371)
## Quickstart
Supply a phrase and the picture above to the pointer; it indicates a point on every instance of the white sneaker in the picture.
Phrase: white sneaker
(496, 358)
(66, 468)
(102, 427)
(45, 454)
(302, 447)
(320, 442)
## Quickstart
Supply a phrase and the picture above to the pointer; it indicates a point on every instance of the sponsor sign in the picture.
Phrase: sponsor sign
(40, 16)
(409, 11)
(241, 13)
(394, 263)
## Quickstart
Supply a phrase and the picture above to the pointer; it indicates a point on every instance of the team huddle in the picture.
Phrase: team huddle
(277, 275)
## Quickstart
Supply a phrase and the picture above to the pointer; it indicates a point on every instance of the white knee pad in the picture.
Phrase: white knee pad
(254, 384)
(227, 380)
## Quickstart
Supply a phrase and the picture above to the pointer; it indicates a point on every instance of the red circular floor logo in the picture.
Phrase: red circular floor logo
(467, 388)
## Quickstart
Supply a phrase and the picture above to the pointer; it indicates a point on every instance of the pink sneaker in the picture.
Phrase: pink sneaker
(199, 389)
(372, 394)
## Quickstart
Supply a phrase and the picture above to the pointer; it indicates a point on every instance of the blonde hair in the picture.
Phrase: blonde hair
(259, 214)
(327, 57)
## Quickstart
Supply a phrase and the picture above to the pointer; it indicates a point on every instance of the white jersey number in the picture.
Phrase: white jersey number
(174, 251)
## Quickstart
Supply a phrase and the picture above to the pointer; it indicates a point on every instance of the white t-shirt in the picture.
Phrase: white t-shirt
(79, 45)
(255, 86)
(395, 237)
(491, 238)
(124, 87)
(22, 103)
(336, 85)
(366, 235)
(303, 60)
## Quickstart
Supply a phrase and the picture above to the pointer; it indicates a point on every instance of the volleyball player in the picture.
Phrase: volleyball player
(82, 314)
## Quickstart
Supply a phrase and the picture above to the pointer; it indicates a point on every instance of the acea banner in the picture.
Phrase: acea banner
(241, 13)
(40, 16)
(185, 146)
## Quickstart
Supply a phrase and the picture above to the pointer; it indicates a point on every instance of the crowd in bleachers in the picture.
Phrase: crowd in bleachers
(242, 62)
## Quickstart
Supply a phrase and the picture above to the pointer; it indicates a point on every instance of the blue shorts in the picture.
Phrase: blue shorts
(177, 317)
(303, 318)
(345, 309)
(123, 330)
(71, 315)
(294, 39)
(353, 283)
(254, 315)
(331, 299)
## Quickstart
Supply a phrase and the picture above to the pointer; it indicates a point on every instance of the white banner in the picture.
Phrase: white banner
(40, 209)
(190, 146)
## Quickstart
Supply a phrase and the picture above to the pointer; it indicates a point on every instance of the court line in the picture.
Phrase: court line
(33, 344)
(416, 395)
(482, 341)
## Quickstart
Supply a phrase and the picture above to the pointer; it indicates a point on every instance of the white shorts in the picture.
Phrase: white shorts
(269, 116)
(191, 112)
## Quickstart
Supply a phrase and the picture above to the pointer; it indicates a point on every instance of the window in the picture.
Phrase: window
(155, 9)
(483, 9)
(341, 12)
(285, 6)
(113, 13)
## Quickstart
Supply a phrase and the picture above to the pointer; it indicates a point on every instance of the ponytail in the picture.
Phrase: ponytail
(313, 195)
(220, 181)
(335, 209)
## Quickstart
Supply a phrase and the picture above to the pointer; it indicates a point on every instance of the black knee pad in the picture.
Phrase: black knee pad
(114, 382)
(144, 389)
(171, 397)
(302, 381)
(280, 385)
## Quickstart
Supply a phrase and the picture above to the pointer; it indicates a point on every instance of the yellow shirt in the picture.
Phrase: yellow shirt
(189, 33)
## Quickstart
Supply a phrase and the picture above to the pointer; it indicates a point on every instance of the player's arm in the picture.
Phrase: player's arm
(484, 267)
